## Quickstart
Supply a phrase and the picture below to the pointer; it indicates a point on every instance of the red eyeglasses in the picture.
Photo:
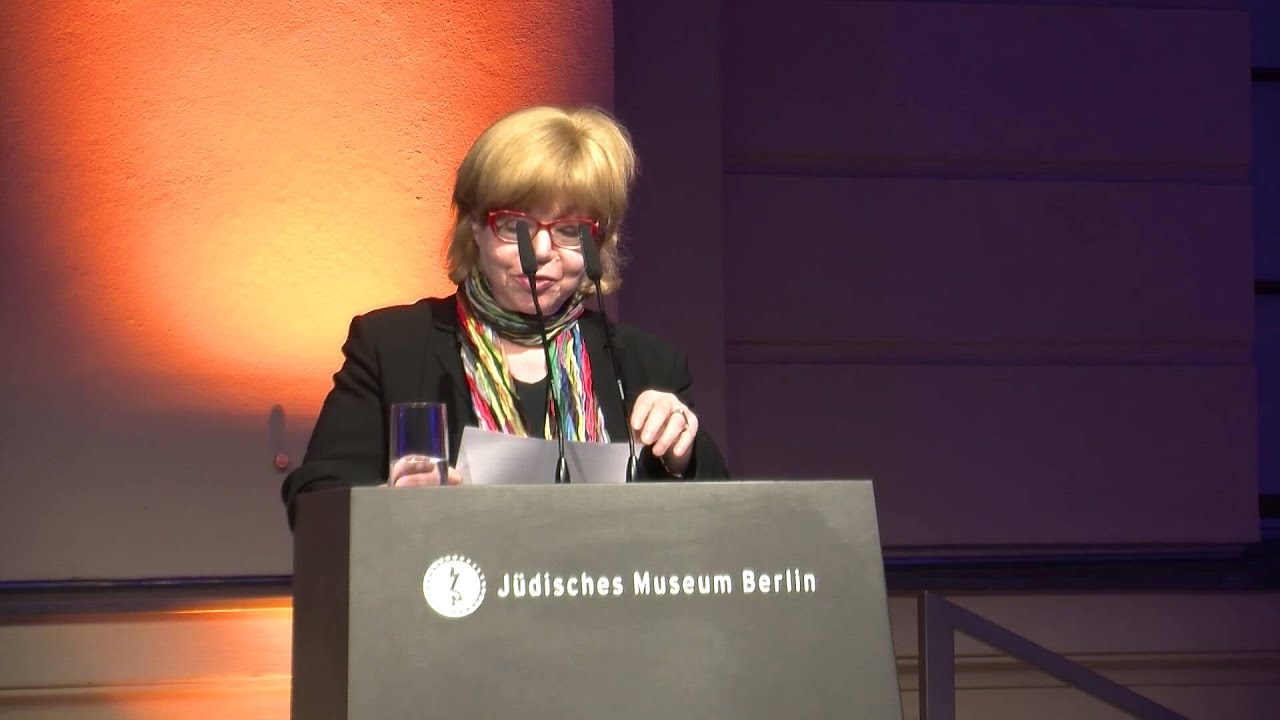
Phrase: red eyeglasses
(566, 232)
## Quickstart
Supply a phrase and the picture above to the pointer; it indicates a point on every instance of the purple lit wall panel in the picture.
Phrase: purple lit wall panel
(1025, 298)
(1014, 455)
(1264, 20)
(1266, 179)
(1063, 269)
(1268, 357)
(666, 81)
(978, 88)
(1265, 26)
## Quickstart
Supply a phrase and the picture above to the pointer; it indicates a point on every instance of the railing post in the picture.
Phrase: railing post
(937, 658)
(940, 619)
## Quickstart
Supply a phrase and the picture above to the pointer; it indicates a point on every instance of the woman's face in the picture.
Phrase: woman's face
(560, 268)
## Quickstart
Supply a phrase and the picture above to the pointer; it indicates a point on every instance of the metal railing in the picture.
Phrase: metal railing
(940, 619)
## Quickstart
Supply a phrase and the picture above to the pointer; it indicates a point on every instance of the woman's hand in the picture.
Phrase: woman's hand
(419, 470)
(667, 426)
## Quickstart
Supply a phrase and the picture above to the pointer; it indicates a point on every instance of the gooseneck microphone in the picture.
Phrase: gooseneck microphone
(529, 266)
(594, 272)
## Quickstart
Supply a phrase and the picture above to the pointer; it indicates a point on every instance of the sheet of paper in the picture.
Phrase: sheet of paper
(490, 458)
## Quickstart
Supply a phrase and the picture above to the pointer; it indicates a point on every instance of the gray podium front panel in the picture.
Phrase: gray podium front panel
(695, 600)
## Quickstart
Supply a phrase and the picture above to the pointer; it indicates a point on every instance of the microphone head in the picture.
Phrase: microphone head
(590, 256)
(524, 241)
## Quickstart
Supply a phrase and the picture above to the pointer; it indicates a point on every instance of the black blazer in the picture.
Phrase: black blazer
(411, 353)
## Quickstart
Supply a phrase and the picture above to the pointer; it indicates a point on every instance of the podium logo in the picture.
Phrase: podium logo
(453, 586)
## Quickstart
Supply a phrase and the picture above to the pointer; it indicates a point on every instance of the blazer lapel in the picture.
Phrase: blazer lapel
(443, 365)
(603, 379)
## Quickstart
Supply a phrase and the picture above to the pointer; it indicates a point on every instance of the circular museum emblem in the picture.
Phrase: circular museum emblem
(453, 586)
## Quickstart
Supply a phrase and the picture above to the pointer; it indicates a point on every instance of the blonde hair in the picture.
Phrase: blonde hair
(539, 156)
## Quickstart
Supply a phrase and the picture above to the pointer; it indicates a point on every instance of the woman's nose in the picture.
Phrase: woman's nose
(542, 245)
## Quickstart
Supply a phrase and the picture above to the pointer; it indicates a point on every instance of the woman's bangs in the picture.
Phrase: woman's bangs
(529, 181)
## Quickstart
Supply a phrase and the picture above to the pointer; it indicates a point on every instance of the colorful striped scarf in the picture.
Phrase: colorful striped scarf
(481, 322)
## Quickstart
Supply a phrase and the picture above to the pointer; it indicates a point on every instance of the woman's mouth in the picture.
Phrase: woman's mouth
(540, 283)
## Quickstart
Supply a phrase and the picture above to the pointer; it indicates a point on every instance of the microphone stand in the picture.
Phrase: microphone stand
(529, 266)
(595, 272)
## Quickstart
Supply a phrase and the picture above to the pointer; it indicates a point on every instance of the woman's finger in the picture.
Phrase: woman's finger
(414, 470)
(656, 423)
(430, 479)
(640, 412)
(684, 443)
(670, 433)
(455, 477)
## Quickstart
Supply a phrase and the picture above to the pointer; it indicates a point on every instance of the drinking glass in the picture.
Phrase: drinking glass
(419, 439)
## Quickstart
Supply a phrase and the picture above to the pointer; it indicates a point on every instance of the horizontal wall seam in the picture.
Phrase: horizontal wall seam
(791, 352)
(199, 684)
(1030, 170)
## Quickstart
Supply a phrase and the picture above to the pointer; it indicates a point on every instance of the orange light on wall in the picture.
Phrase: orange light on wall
(230, 182)
(227, 659)
(195, 197)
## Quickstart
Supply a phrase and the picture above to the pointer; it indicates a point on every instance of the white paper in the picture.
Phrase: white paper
(491, 458)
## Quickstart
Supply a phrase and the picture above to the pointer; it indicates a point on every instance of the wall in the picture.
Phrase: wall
(1023, 230)
(196, 199)
(995, 256)
(1265, 47)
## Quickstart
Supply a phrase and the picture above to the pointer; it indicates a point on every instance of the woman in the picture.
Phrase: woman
(558, 172)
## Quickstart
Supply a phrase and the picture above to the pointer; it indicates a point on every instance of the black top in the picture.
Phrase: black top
(412, 353)
(533, 406)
